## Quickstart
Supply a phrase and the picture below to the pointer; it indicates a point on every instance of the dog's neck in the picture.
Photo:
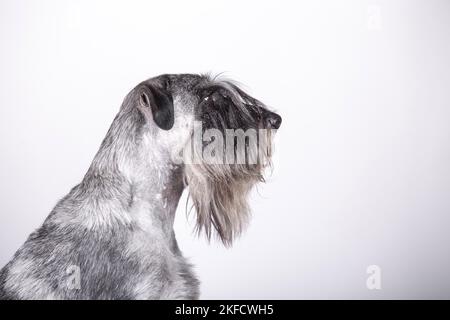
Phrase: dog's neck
(156, 188)
(136, 170)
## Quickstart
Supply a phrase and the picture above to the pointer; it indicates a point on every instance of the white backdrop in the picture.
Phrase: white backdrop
(362, 173)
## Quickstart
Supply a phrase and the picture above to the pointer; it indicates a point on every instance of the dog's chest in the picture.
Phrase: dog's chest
(163, 273)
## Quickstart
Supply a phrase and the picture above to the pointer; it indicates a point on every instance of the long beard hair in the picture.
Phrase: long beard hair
(219, 192)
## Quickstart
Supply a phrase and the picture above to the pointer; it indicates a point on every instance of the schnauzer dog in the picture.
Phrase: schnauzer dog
(112, 236)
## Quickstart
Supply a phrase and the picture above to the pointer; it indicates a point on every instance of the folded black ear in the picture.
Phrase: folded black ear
(159, 103)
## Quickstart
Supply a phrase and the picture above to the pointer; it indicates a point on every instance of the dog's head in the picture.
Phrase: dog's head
(220, 135)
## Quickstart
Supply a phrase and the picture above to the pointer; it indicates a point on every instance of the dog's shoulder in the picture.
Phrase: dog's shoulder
(5, 294)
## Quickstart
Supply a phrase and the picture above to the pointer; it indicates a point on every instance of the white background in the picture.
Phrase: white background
(362, 172)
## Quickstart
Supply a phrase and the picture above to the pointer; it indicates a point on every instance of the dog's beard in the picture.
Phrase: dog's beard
(219, 192)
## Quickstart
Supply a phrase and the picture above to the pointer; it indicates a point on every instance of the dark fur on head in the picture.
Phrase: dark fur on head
(220, 191)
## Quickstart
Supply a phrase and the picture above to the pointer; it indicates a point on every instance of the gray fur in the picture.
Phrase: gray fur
(116, 226)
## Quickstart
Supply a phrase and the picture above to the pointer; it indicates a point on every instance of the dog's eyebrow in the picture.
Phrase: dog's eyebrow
(213, 88)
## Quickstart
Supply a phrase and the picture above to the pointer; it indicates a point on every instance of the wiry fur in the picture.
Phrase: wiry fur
(116, 226)
(220, 191)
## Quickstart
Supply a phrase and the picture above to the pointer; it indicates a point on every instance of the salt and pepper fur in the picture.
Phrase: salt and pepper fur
(116, 226)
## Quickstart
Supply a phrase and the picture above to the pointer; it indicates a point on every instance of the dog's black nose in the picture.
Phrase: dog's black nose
(273, 120)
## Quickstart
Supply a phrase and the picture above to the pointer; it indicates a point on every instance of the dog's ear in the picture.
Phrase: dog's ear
(157, 104)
